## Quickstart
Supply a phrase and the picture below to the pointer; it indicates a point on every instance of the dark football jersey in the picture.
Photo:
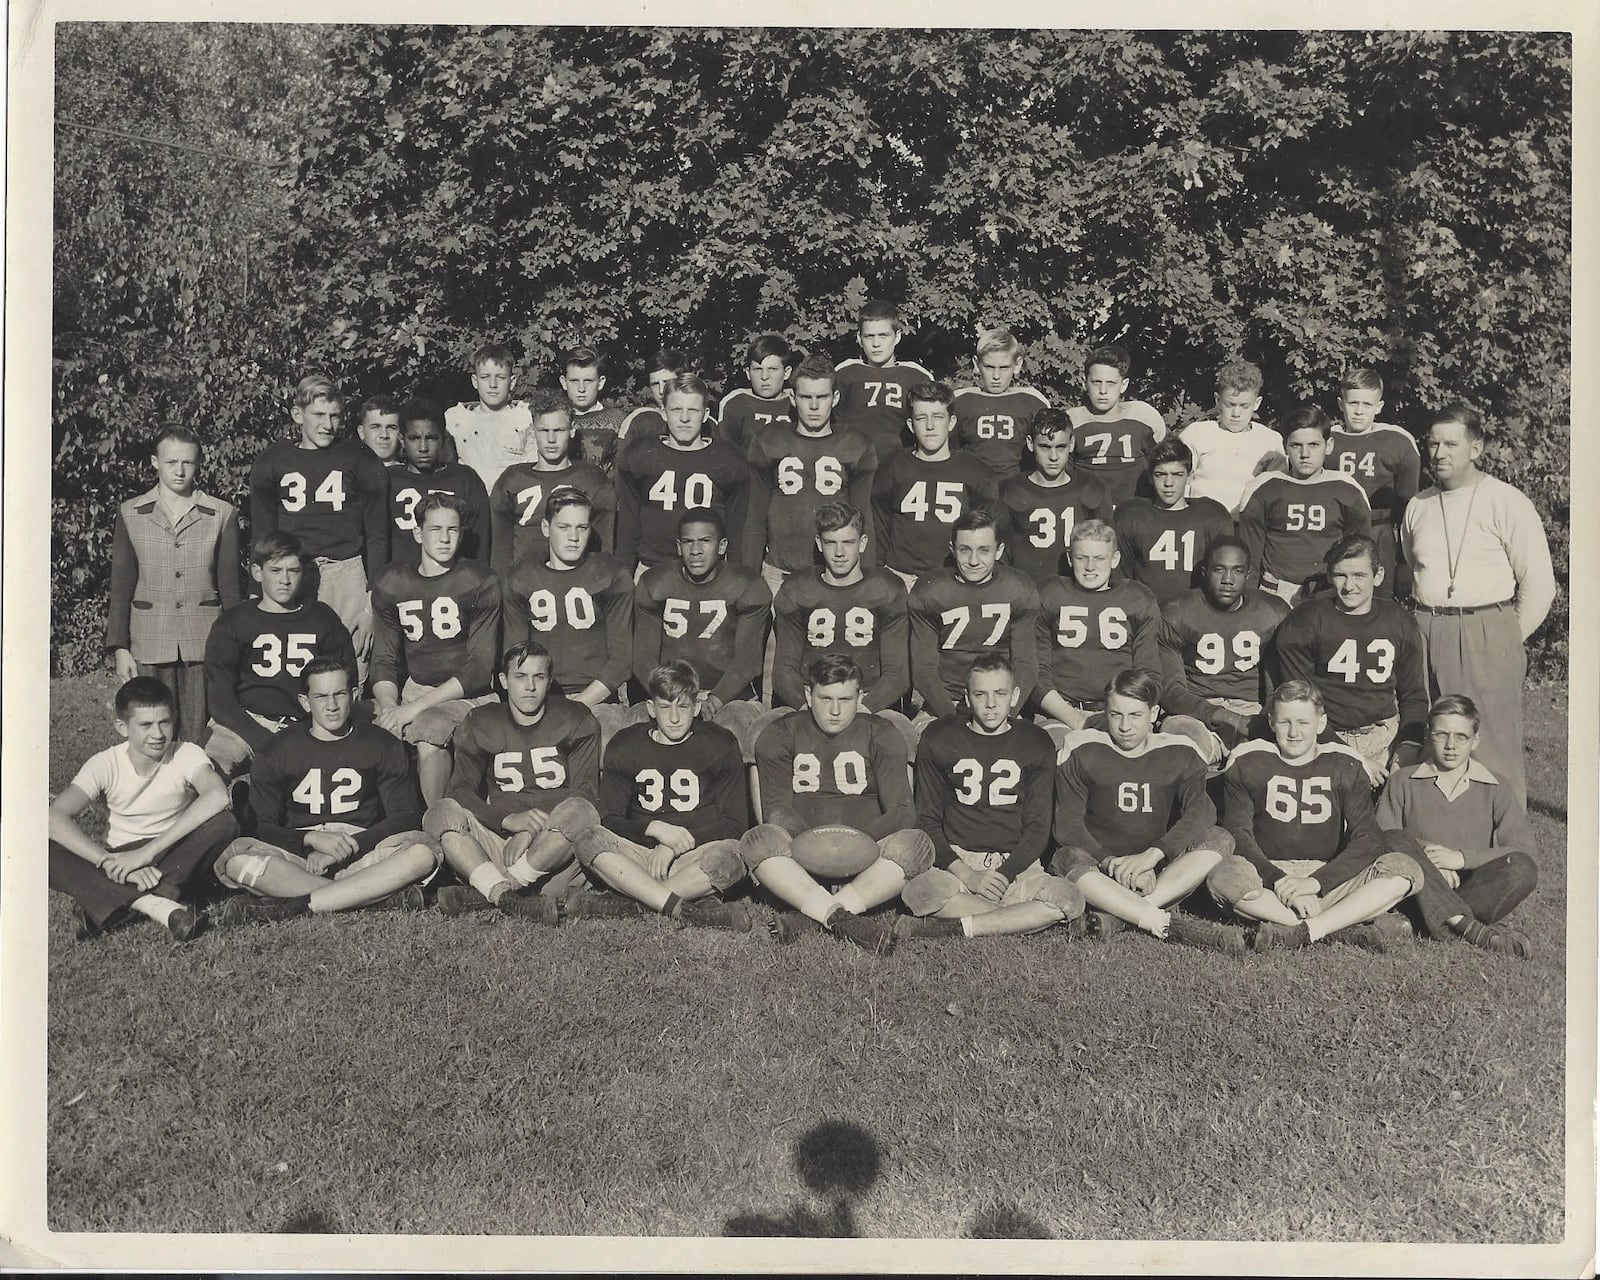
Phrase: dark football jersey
(953, 621)
(873, 399)
(866, 620)
(516, 508)
(1113, 447)
(502, 767)
(993, 428)
(657, 483)
(254, 658)
(1368, 666)
(1210, 653)
(433, 628)
(856, 778)
(1289, 524)
(1109, 803)
(407, 489)
(1086, 637)
(990, 794)
(299, 780)
(1385, 462)
(698, 784)
(582, 615)
(1036, 520)
(916, 502)
(742, 414)
(1319, 809)
(717, 626)
(1163, 548)
(335, 500)
(792, 475)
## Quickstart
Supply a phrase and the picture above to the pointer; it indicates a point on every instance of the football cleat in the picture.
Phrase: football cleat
(592, 905)
(408, 898)
(785, 927)
(1191, 931)
(1270, 936)
(182, 924)
(462, 899)
(1102, 924)
(873, 934)
(1388, 930)
(707, 913)
(525, 904)
(927, 927)
(243, 908)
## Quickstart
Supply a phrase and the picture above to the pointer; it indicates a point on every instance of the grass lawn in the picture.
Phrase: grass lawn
(383, 1073)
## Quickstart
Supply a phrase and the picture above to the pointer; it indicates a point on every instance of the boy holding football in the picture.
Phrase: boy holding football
(993, 418)
(1040, 508)
(1113, 435)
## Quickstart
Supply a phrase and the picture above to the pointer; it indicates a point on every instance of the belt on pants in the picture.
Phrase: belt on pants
(1460, 610)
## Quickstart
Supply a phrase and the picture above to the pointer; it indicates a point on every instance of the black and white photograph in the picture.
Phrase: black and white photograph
(711, 638)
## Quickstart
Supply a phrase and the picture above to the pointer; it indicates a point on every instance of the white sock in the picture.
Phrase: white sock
(523, 871)
(966, 926)
(817, 904)
(1316, 928)
(486, 878)
(850, 899)
(155, 907)
(1154, 920)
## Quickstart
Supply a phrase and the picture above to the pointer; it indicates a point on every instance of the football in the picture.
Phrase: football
(836, 852)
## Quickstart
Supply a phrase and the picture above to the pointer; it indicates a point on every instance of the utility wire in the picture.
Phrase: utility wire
(173, 146)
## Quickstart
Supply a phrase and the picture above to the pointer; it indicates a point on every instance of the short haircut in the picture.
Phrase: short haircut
(543, 402)
(382, 403)
(1456, 704)
(880, 309)
(815, 367)
(274, 546)
(1224, 542)
(931, 393)
(1353, 546)
(769, 344)
(704, 515)
(315, 386)
(142, 691)
(179, 433)
(672, 360)
(518, 652)
(832, 668)
(1002, 342)
(1239, 375)
(673, 680)
(839, 515)
(562, 498)
(1294, 691)
(1048, 422)
(1136, 682)
(1305, 417)
(1112, 356)
(493, 353)
(321, 665)
(1092, 531)
(1362, 379)
(579, 358)
(688, 384)
(1166, 450)
(991, 660)
(442, 502)
(1462, 412)
(421, 409)
(973, 519)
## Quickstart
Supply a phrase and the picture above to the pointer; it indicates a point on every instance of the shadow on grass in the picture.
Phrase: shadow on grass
(1005, 1222)
(1558, 812)
(306, 1220)
(835, 1159)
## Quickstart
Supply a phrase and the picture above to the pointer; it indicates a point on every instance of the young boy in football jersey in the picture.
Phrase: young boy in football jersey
(993, 418)
(378, 425)
(168, 817)
(920, 493)
(831, 766)
(672, 808)
(845, 607)
(523, 787)
(985, 786)
(1365, 655)
(1309, 862)
(1162, 537)
(1090, 626)
(650, 421)
(438, 636)
(982, 606)
(1112, 435)
(660, 476)
(335, 817)
(875, 392)
(1213, 640)
(714, 614)
(597, 427)
(425, 470)
(1137, 830)
(579, 605)
(1468, 831)
(1232, 447)
(1289, 519)
(1039, 508)
(1382, 458)
(744, 411)
(333, 495)
(257, 650)
(491, 432)
(516, 507)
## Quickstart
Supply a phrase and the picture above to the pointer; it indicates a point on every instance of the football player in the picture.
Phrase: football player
(424, 471)
(744, 411)
(1161, 537)
(1112, 435)
(993, 418)
(1382, 458)
(378, 426)
(875, 392)
(1039, 508)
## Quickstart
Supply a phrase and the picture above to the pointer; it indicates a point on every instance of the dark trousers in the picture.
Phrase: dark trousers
(187, 680)
(1488, 893)
(102, 899)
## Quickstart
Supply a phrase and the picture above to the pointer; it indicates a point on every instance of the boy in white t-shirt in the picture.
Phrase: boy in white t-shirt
(169, 817)
(493, 431)
(1232, 447)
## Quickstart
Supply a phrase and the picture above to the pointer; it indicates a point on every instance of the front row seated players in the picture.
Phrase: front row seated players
(1137, 829)
(336, 816)
(168, 817)
(831, 766)
(1309, 861)
(985, 786)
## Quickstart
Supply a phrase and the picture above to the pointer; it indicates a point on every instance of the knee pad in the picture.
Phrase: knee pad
(767, 840)
(430, 729)
(910, 850)
(722, 864)
(572, 817)
(246, 869)
(587, 846)
(1063, 895)
(1072, 863)
(1402, 865)
(1233, 880)
(446, 816)
(926, 893)
(912, 733)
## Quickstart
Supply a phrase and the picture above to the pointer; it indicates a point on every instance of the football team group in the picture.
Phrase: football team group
(891, 659)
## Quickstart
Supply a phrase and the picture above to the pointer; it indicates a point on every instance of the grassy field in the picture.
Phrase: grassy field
(381, 1073)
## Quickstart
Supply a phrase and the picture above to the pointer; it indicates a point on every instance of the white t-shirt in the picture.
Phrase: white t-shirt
(490, 442)
(142, 808)
(1225, 461)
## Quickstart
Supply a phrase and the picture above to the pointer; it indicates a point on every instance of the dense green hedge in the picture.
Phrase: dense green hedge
(1305, 199)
